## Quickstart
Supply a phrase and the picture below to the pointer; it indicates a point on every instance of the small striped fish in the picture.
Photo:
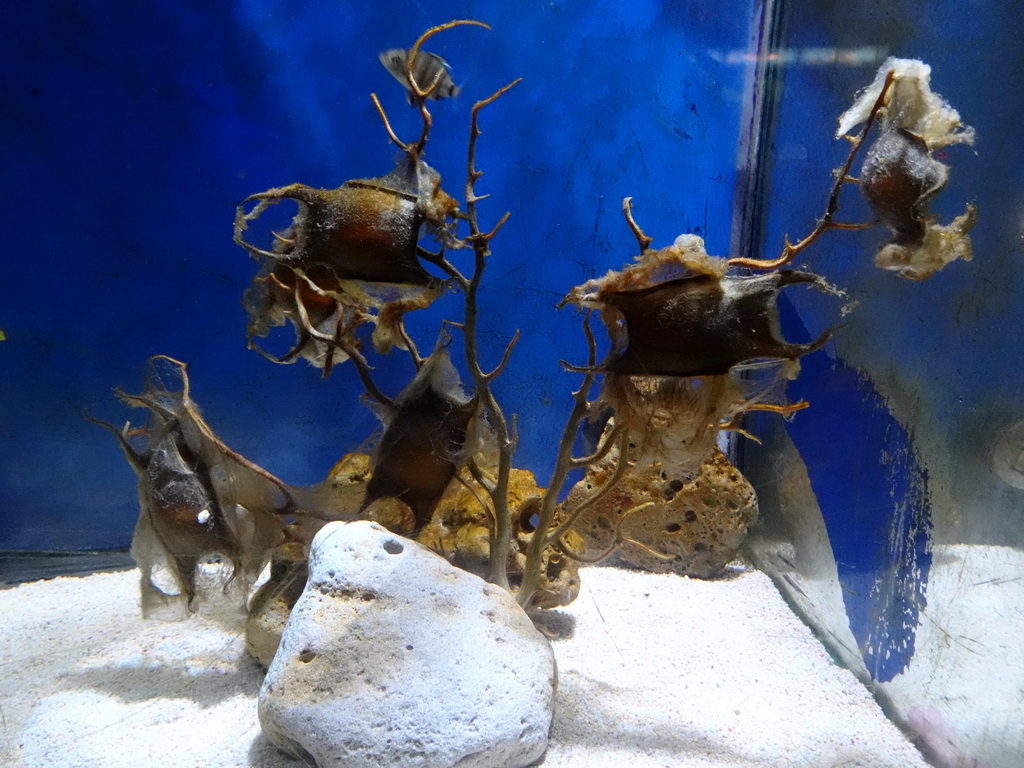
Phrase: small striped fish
(425, 68)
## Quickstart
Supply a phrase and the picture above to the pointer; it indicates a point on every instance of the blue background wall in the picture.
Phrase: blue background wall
(130, 132)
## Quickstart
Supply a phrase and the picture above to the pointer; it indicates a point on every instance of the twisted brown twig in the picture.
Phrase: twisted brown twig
(642, 240)
(480, 243)
(337, 341)
(417, 93)
(543, 536)
(826, 222)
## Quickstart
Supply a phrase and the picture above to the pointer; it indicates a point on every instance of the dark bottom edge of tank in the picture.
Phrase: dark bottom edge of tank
(17, 567)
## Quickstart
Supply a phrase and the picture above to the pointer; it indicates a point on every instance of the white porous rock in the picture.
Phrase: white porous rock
(394, 657)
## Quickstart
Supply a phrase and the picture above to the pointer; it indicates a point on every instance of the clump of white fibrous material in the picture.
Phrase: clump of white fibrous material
(900, 176)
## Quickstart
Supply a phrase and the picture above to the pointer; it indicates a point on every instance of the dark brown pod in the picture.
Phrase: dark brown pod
(703, 325)
(898, 179)
(200, 501)
(181, 510)
(424, 440)
(367, 229)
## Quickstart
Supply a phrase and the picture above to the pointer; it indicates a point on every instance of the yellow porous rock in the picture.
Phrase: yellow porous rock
(665, 521)
(459, 531)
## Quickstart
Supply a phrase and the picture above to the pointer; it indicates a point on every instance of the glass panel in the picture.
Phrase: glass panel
(892, 508)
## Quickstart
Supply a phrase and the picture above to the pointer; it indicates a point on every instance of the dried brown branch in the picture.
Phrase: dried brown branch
(504, 359)
(469, 487)
(480, 243)
(785, 410)
(563, 465)
(479, 476)
(419, 95)
(642, 240)
(732, 425)
(854, 226)
(338, 331)
(362, 367)
(620, 471)
(453, 272)
(618, 540)
(387, 125)
(410, 345)
(602, 450)
(825, 223)
(501, 222)
(472, 174)
(416, 150)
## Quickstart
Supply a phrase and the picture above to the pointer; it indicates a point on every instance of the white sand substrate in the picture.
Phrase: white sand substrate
(658, 671)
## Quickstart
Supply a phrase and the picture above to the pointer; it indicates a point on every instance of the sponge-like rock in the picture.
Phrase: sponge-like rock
(392, 656)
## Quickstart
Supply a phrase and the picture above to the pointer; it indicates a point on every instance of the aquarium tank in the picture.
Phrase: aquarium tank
(527, 283)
